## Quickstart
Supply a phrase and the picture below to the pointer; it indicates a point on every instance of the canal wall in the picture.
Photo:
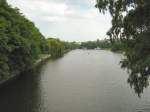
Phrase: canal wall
(16, 74)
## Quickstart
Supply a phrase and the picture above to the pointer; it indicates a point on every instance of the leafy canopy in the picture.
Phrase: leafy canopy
(131, 25)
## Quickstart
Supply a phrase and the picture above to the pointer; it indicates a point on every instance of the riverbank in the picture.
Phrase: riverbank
(17, 74)
(41, 59)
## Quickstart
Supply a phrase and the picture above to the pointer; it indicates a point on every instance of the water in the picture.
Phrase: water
(81, 81)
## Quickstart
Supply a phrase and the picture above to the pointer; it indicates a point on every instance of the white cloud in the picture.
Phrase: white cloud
(67, 19)
(53, 19)
(40, 9)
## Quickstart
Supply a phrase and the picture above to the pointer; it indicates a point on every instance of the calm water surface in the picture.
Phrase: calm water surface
(81, 81)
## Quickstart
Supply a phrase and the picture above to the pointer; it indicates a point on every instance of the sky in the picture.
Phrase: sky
(69, 20)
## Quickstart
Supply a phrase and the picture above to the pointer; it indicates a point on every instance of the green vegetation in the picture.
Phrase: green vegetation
(131, 26)
(96, 44)
(57, 48)
(103, 44)
(21, 43)
(116, 46)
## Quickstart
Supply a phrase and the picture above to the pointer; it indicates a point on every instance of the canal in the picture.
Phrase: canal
(81, 81)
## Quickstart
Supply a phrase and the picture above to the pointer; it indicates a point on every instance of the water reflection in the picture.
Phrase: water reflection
(24, 94)
(81, 81)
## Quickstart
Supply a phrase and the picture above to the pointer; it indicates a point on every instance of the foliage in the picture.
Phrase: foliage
(131, 25)
(103, 44)
(116, 46)
(20, 41)
(56, 47)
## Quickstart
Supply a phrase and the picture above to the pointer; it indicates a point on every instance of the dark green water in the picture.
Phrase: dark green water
(81, 81)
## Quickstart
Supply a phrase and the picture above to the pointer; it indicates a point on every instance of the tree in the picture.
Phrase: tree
(103, 44)
(131, 26)
(20, 41)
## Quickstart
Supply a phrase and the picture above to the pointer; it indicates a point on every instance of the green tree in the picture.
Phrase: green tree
(21, 43)
(103, 44)
(56, 48)
(131, 26)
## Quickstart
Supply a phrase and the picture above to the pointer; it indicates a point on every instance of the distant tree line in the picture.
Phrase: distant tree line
(21, 43)
(103, 44)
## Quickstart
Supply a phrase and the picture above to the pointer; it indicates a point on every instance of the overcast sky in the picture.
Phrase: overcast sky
(71, 20)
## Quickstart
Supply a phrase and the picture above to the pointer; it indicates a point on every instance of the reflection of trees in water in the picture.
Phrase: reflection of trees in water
(25, 93)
